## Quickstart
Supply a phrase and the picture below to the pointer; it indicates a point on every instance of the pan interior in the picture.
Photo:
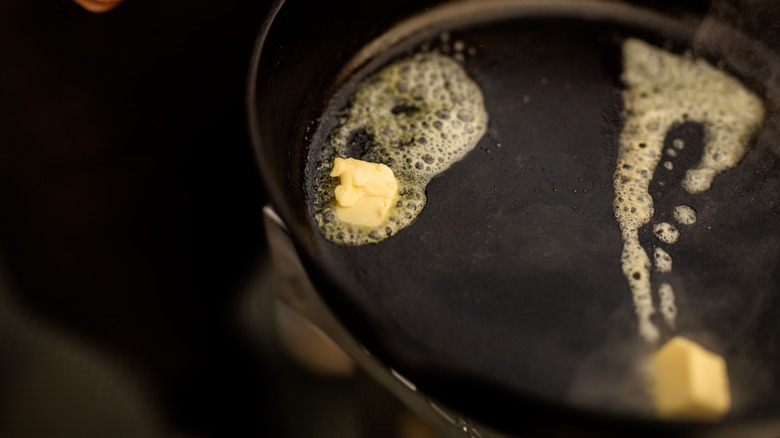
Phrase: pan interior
(511, 274)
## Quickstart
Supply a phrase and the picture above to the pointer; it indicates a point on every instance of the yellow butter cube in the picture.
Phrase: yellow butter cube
(365, 193)
(690, 382)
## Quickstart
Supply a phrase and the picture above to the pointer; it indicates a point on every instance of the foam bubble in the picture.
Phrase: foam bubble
(685, 214)
(667, 303)
(663, 261)
(666, 232)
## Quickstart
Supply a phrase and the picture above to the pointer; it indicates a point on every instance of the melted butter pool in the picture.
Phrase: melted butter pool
(664, 90)
(418, 116)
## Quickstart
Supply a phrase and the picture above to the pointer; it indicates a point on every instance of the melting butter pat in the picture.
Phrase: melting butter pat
(365, 193)
(690, 382)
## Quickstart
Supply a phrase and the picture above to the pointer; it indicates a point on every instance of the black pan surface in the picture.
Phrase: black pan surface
(506, 293)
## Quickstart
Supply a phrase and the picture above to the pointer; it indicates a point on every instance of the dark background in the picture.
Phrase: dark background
(130, 219)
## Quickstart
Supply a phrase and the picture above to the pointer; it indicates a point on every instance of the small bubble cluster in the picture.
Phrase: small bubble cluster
(666, 232)
(663, 261)
(685, 214)
(662, 90)
(421, 114)
(667, 304)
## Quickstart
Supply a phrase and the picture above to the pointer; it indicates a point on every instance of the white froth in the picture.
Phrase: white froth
(666, 232)
(670, 89)
(685, 214)
(664, 90)
(422, 114)
(667, 304)
(663, 261)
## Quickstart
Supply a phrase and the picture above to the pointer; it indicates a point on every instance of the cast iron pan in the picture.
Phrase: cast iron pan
(505, 298)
